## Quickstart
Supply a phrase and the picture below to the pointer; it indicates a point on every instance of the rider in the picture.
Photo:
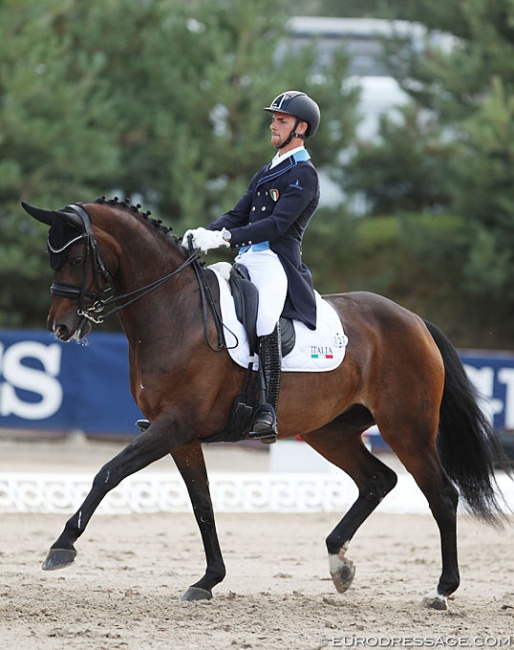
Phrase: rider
(266, 226)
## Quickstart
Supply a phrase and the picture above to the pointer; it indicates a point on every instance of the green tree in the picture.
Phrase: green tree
(189, 81)
(157, 100)
(54, 141)
(485, 165)
(470, 90)
(404, 168)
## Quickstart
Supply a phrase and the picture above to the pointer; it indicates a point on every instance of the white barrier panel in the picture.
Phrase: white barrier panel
(231, 492)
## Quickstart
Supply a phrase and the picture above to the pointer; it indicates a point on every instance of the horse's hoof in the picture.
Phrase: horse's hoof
(59, 558)
(436, 601)
(195, 593)
(342, 572)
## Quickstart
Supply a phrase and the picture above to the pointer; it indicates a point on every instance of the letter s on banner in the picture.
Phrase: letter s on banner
(44, 383)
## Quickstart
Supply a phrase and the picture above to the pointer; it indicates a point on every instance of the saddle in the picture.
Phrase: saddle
(246, 303)
(245, 298)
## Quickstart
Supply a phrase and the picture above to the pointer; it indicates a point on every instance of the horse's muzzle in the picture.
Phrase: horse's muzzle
(66, 331)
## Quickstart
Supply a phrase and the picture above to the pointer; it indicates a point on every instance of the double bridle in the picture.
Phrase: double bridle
(92, 304)
(80, 292)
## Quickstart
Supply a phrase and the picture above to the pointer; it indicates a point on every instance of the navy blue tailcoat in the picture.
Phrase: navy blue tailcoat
(277, 208)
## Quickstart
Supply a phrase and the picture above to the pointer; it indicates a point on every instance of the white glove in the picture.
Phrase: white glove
(193, 233)
(205, 239)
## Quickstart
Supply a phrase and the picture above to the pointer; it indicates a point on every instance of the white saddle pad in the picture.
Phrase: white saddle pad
(316, 350)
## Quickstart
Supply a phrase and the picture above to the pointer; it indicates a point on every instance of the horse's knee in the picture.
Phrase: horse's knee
(106, 479)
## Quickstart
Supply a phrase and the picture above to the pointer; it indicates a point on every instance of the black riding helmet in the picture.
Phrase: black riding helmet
(301, 106)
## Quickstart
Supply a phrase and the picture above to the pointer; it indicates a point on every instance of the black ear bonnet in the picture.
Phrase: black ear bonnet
(66, 226)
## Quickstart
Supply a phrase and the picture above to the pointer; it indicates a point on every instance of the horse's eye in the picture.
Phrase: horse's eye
(76, 261)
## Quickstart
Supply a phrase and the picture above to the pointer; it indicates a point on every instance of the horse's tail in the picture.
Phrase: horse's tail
(467, 443)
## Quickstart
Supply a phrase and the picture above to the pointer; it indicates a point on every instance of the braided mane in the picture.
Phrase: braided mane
(126, 204)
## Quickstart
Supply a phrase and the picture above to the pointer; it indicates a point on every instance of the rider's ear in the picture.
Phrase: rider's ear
(302, 128)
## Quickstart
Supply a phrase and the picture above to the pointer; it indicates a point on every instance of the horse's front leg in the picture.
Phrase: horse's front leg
(148, 447)
(191, 464)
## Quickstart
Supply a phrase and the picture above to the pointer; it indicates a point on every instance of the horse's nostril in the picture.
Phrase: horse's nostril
(61, 331)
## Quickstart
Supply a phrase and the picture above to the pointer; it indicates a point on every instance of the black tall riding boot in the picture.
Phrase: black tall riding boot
(264, 425)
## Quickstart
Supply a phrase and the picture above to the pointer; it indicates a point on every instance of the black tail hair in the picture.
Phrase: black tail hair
(468, 445)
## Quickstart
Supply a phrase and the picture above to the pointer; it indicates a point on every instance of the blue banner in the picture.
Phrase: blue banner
(49, 385)
(492, 374)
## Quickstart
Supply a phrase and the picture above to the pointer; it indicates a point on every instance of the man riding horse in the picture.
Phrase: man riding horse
(266, 226)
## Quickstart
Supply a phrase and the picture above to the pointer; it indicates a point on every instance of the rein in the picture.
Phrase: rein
(100, 304)
(207, 301)
(94, 313)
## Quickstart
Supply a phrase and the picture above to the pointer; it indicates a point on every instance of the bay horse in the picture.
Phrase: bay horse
(399, 372)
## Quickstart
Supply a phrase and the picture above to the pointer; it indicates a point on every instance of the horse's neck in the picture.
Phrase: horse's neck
(162, 309)
(140, 255)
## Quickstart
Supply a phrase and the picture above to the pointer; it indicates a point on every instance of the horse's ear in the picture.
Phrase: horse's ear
(47, 216)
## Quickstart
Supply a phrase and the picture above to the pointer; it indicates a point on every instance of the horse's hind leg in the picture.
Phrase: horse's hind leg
(442, 497)
(373, 479)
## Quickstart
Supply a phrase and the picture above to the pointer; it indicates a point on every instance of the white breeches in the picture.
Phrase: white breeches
(268, 275)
